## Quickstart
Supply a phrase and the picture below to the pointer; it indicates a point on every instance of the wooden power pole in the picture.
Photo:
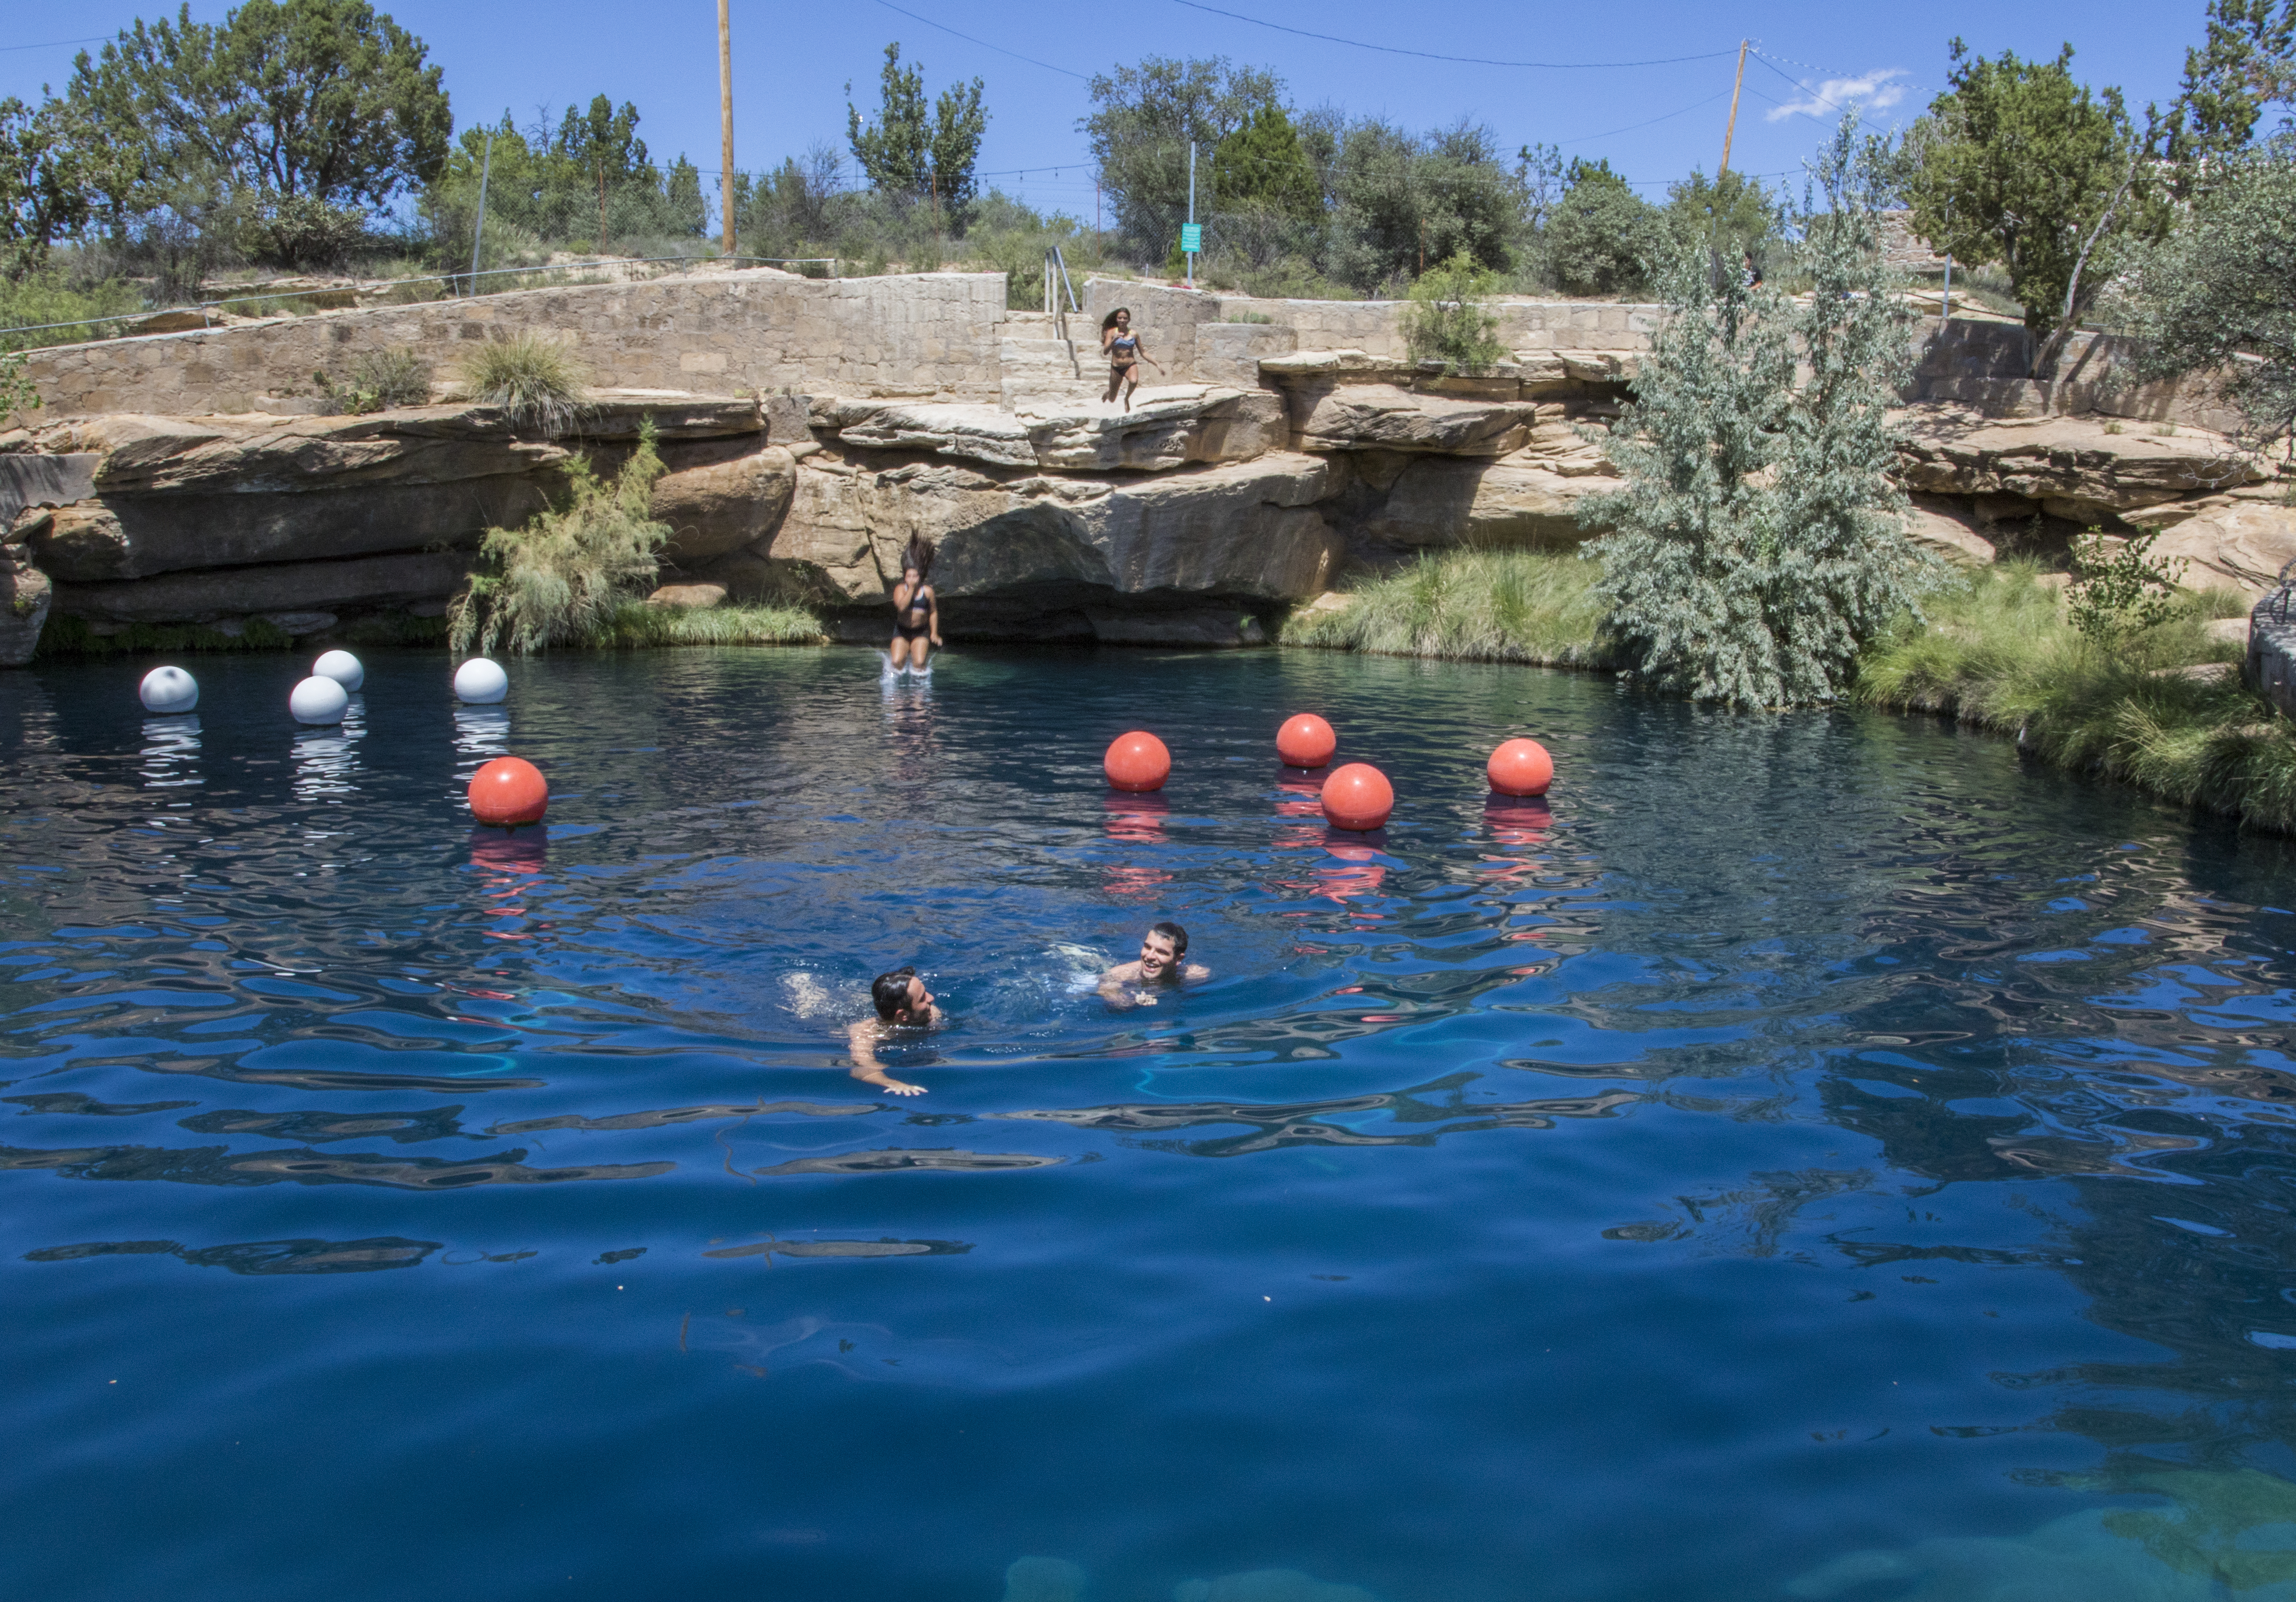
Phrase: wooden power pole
(1729, 132)
(726, 120)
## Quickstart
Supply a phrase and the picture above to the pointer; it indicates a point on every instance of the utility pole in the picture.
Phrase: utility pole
(1189, 237)
(478, 232)
(1731, 131)
(725, 119)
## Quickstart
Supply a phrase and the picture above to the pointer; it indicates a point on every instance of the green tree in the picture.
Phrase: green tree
(1603, 238)
(323, 99)
(45, 182)
(1403, 200)
(1733, 216)
(2246, 63)
(906, 151)
(2219, 296)
(2020, 166)
(1758, 542)
(1142, 122)
(1261, 166)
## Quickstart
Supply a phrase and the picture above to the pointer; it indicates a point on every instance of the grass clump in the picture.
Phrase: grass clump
(635, 625)
(564, 578)
(380, 381)
(1999, 652)
(537, 380)
(1481, 605)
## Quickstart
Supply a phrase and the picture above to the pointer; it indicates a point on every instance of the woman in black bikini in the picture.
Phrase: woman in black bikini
(916, 610)
(1125, 353)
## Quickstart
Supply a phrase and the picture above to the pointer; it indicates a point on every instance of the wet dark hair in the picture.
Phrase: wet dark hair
(918, 558)
(1109, 322)
(1173, 933)
(891, 992)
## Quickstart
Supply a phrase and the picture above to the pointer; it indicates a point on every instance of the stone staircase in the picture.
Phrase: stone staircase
(1038, 368)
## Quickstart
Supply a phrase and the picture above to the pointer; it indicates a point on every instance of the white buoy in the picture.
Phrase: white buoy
(166, 689)
(317, 701)
(341, 666)
(481, 683)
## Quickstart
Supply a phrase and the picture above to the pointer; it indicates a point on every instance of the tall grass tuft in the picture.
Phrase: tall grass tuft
(636, 625)
(1486, 605)
(564, 578)
(1999, 652)
(537, 380)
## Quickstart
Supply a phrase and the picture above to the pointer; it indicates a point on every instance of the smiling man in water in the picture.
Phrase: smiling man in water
(1162, 964)
(905, 1011)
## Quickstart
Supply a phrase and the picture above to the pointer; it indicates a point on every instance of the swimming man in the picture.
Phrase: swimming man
(904, 1009)
(1162, 963)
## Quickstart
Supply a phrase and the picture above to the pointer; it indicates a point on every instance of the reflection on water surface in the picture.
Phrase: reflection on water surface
(1802, 1157)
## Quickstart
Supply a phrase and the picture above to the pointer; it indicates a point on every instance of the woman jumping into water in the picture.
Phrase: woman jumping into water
(916, 609)
(1125, 353)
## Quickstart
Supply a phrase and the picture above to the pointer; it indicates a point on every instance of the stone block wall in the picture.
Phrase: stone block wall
(915, 334)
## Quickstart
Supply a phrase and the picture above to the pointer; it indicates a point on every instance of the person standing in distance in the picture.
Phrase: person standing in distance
(1125, 353)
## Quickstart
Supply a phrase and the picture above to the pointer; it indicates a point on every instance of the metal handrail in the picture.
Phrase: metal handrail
(203, 307)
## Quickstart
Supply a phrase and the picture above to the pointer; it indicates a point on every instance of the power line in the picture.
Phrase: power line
(1631, 127)
(1429, 55)
(59, 44)
(984, 44)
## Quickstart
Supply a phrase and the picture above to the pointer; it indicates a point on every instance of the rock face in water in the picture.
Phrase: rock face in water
(1015, 547)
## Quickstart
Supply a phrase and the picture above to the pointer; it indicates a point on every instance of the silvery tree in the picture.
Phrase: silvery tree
(1760, 541)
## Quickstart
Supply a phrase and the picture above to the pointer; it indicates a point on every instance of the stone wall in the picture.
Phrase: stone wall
(917, 334)
(1215, 338)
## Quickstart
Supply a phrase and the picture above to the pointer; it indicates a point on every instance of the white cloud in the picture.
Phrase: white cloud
(1835, 95)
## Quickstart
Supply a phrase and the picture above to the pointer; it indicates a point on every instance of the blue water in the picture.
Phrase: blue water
(1807, 1137)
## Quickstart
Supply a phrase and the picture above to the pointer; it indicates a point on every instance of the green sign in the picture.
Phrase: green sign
(1192, 238)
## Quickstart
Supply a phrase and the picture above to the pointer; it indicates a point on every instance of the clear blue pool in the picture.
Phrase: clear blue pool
(1818, 1152)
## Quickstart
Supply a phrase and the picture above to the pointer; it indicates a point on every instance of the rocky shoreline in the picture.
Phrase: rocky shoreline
(1199, 517)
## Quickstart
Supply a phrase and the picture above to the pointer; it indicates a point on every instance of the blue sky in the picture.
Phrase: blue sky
(791, 63)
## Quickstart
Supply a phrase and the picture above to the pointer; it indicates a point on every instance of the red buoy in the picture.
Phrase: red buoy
(509, 791)
(1137, 761)
(1521, 768)
(1357, 797)
(1306, 741)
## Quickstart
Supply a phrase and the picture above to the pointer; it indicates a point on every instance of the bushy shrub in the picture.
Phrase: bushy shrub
(537, 380)
(1760, 541)
(300, 230)
(563, 578)
(2123, 590)
(1445, 320)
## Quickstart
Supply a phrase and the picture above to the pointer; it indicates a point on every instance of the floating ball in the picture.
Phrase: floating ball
(317, 701)
(341, 666)
(1137, 761)
(481, 683)
(509, 791)
(1306, 741)
(169, 689)
(1521, 768)
(1357, 797)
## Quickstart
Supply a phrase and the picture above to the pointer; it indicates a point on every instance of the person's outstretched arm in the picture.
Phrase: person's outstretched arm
(1194, 971)
(1115, 985)
(861, 1040)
